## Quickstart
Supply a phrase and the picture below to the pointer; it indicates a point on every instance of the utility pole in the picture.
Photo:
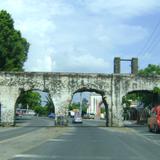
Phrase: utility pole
(81, 103)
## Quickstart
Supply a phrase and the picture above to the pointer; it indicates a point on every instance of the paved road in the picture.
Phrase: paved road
(95, 143)
(150, 136)
(25, 125)
(28, 124)
(82, 143)
(88, 123)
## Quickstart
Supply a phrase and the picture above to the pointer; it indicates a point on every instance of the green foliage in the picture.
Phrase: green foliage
(41, 110)
(147, 98)
(77, 106)
(29, 98)
(151, 69)
(50, 105)
(84, 109)
(152, 98)
(130, 97)
(156, 90)
(103, 110)
(74, 106)
(13, 47)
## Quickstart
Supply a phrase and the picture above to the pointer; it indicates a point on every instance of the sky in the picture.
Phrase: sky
(86, 35)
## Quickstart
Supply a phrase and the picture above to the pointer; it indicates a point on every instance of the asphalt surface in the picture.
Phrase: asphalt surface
(88, 123)
(86, 141)
(96, 143)
(25, 125)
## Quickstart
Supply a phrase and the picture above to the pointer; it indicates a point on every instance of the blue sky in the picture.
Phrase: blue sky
(85, 35)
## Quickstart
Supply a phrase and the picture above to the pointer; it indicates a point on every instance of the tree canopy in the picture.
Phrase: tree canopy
(13, 47)
(74, 105)
(30, 99)
(151, 69)
(50, 105)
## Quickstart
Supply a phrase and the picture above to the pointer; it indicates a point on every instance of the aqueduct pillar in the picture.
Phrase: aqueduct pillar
(61, 102)
(8, 97)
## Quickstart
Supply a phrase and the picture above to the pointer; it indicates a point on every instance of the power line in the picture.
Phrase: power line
(154, 44)
(150, 43)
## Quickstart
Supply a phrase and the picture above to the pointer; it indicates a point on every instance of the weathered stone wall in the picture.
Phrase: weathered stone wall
(124, 84)
(62, 86)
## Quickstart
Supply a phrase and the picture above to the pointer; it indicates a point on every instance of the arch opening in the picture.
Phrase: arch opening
(92, 106)
(137, 105)
(34, 108)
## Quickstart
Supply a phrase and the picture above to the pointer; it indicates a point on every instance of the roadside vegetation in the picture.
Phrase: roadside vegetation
(32, 100)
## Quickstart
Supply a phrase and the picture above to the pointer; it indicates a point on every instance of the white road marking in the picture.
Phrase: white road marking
(33, 156)
(57, 140)
(70, 157)
(148, 134)
(68, 134)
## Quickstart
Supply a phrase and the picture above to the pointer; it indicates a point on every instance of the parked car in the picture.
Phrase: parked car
(86, 116)
(154, 119)
(19, 113)
(51, 115)
(91, 116)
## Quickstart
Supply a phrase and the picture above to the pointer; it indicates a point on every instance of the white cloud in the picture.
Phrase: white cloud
(122, 8)
(46, 64)
(84, 63)
(87, 61)
(66, 37)
(121, 34)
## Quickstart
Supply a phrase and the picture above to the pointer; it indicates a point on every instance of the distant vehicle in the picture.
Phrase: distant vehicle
(154, 120)
(51, 115)
(77, 118)
(89, 116)
(31, 113)
(18, 113)
(86, 116)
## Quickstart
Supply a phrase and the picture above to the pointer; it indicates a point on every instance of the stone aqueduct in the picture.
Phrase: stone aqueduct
(61, 87)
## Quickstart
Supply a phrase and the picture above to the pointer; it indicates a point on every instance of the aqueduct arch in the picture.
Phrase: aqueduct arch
(104, 96)
(61, 86)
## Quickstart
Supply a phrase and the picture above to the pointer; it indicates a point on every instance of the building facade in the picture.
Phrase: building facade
(94, 105)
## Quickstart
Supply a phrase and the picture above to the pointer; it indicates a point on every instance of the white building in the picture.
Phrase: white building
(94, 104)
